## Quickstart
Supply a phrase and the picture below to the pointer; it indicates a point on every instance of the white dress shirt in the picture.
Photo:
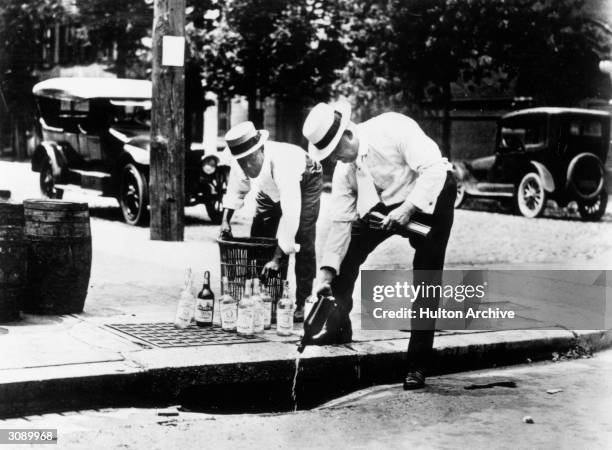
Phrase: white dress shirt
(280, 177)
(396, 162)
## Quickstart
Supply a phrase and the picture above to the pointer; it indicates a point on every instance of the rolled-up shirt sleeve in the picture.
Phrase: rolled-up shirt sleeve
(238, 187)
(343, 211)
(422, 155)
(288, 175)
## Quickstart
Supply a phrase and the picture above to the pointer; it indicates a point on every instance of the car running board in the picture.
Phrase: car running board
(491, 189)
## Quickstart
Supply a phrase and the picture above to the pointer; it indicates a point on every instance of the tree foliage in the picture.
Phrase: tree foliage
(120, 26)
(406, 50)
(289, 49)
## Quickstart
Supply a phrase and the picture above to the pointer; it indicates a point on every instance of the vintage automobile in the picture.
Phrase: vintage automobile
(95, 138)
(543, 154)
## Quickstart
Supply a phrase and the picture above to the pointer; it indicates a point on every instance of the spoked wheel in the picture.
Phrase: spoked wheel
(47, 182)
(214, 205)
(531, 196)
(134, 195)
(594, 210)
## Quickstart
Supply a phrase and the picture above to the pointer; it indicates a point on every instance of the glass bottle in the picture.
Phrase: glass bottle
(229, 308)
(258, 319)
(246, 313)
(284, 313)
(205, 304)
(186, 303)
(266, 298)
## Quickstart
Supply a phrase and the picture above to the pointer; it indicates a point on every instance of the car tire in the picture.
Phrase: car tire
(47, 182)
(460, 199)
(214, 205)
(134, 195)
(595, 209)
(531, 196)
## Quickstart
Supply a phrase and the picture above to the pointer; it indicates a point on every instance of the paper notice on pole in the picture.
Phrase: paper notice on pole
(173, 51)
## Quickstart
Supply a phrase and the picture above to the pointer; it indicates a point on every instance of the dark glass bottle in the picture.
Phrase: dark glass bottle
(321, 313)
(205, 304)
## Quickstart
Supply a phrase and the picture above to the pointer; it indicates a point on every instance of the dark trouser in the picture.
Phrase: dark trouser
(428, 256)
(267, 217)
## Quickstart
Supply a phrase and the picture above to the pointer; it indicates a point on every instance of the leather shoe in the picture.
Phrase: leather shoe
(298, 314)
(414, 380)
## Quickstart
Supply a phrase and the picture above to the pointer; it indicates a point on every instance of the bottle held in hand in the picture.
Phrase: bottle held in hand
(246, 312)
(266, 298)
(229, 308)
(284, 313)
(258, 317)
(186, 303)
(205, 304)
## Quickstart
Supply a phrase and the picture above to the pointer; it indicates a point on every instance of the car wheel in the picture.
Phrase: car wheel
(47, 182)
(594, 210)
(460, 194)
(134, 195)
(214, 205)
(531, 196)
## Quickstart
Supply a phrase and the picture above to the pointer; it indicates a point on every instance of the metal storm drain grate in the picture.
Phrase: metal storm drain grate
(165, 335)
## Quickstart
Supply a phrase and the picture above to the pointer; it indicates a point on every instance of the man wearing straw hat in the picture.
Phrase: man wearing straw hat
(288, 186)
(386, 165)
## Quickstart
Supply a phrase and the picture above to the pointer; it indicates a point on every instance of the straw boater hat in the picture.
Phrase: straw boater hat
(324, 127)
(244, 139)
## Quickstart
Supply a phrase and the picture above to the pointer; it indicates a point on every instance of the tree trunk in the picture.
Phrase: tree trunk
(167, 170)
(19, 138)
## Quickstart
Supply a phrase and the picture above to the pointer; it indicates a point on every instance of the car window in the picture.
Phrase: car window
(588, 128)
(521, 134)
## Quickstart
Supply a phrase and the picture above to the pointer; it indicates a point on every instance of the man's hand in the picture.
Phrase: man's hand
(399, 217)
(226, 230)
(271, 268)
(326, 276)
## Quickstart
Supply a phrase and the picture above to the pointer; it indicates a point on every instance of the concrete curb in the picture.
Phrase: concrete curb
(142, 379)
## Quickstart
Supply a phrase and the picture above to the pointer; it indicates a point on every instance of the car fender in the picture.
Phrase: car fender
(545, 176)
(461, 171)
(138, 154)
(53, 152)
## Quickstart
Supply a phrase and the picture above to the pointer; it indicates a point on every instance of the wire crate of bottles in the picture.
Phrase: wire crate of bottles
(245, 257)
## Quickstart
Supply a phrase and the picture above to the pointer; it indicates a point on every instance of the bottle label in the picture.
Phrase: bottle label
(267, 314)
(285, 319)
(258, 319)
(245, 320)
(228, 315)
(204, 310)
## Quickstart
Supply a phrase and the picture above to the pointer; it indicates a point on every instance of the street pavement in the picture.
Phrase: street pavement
(568, 402)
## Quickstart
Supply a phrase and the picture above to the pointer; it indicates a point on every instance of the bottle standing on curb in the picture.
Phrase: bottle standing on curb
(186, 303)
(246, 312)
(205, 304)
(229, 308)
(266, 298)
(284, 313)
(258, 319)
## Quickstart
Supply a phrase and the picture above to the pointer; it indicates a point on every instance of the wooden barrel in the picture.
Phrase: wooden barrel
(13, 260)
(58, 239)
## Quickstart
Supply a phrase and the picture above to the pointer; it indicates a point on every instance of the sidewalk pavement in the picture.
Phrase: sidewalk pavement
(60, 363)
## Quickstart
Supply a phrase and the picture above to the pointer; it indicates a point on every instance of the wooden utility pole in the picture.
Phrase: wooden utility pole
(167, 177)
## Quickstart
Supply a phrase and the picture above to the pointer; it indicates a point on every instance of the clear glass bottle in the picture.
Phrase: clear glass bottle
(246, 312)
(228, 306)
(258, 318)
(186, 304)
(266, 298)
(205, 304)
(284, 313)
